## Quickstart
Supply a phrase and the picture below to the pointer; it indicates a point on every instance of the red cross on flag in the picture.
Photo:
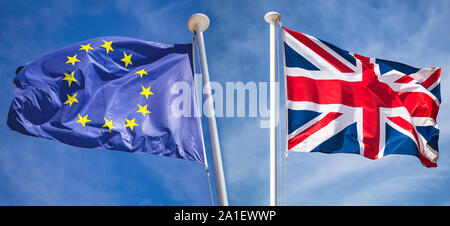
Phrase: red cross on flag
(341, 102)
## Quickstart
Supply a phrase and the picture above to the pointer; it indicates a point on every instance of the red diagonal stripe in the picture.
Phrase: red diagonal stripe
(404, 79)
(312, 129)
(401, 122)
(319, 51)
(432, 79)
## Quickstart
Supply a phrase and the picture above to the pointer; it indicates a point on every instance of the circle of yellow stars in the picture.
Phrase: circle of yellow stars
(70, 77)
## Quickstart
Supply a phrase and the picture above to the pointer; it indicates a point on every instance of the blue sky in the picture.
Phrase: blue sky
(42, 172)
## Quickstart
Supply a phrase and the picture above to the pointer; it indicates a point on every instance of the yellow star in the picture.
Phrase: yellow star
(108, 124)
(131, 123)
(143, 110)
(142, 72)
(146, 92)
(127, 59)
(70, 78)
(86, 47)
(71, 99)
(72, 60)
(83, 120)
(107, 46)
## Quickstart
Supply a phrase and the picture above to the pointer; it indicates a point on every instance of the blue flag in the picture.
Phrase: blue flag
(110, 93)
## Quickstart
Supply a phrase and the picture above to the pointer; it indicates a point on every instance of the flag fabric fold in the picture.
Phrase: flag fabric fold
(109, 93)
(342, 102)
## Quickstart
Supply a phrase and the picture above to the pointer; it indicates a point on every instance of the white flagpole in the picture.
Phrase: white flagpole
(198, 23)
(273, 18)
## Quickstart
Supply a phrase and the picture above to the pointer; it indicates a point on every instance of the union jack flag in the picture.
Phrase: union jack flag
(342, 102)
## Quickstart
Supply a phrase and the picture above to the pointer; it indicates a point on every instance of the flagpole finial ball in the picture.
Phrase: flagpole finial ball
(198, 20)
(272, 17)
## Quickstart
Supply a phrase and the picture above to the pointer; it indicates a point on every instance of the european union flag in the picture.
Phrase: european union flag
(110, 93)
